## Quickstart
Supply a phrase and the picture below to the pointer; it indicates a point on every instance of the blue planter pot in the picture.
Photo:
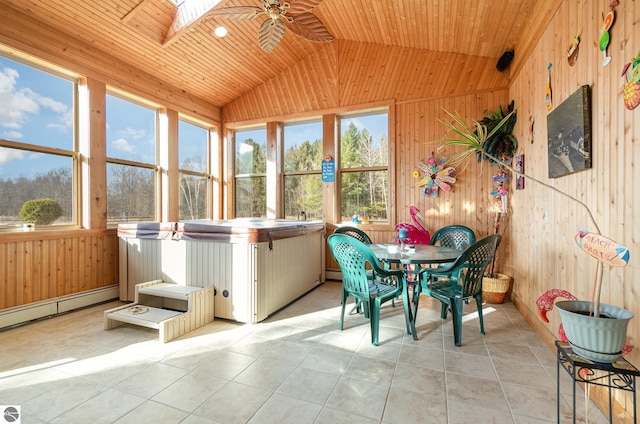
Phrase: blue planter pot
(598, 339)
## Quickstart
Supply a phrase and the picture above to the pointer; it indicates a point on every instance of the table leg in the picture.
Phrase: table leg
(407, 310)
(573, 377)
(558, 386)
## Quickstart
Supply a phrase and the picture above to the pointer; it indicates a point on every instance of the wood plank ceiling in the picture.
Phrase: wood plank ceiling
(218, 70)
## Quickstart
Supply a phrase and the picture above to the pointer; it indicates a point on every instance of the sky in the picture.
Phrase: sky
(295, 134)
(36, 107)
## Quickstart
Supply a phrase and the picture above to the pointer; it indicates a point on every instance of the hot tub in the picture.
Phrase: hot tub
(256, 266)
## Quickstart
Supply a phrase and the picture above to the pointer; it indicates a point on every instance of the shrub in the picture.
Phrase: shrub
(40, 211)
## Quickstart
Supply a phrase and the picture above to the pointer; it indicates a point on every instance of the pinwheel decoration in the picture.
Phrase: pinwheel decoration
(433, 176)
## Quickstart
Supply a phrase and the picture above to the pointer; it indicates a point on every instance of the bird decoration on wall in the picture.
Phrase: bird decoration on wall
(434, 176)
(280, 15)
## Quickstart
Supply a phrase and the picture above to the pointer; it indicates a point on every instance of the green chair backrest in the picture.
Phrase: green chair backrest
(354, 232)
(454, 236)
(468, 270)
(354, 258)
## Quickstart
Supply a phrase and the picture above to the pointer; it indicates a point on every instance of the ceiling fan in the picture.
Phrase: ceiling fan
(280, 14)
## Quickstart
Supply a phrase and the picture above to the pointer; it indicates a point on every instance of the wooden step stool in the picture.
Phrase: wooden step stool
(171, 308)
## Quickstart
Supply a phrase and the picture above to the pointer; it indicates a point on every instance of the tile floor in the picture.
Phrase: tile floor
(295, 367)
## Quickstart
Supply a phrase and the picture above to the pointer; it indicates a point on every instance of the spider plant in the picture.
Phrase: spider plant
(474, 140)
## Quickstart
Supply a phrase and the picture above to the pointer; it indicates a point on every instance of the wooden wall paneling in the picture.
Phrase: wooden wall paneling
(274, 190)
(419, 131)
(62, 270)
(631, 133)
(293, 92)
(92, 269)
(350, 73)
(5, 286)
(22, 32)
(549, 258)
(152, 22)
(93, 151)
(37, 267)
(11, 287)
(169, 160)
(329, 195)
(393, 152)
(532, 28)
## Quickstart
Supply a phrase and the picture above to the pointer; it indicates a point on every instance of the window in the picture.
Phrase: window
(193, 154)
(364, 167)
(131, 161)
(302, 170)
(250, 173)
(38, 150)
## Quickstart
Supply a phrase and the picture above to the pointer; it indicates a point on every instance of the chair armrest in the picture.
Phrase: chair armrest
(382, 272)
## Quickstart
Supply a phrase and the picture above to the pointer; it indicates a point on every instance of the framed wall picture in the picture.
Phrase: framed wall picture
(569, 134)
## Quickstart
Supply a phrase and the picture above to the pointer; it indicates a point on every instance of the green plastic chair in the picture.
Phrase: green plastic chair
(457, 283)
(371, 289)
(354, 232)
(358, 234)
(454, 236)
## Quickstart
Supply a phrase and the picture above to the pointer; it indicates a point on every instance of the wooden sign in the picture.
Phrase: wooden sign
(603, 249)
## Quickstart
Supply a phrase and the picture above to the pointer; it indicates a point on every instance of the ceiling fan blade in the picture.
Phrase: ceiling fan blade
(239, 13)
(302, 6)
(309, 26)
(270, 33)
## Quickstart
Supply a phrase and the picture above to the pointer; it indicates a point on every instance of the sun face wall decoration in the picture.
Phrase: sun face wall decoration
(433, 176)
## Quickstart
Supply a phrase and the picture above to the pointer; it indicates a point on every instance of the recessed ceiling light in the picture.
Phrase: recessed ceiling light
(220, 31)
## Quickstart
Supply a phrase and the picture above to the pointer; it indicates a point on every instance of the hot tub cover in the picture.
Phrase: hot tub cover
(239, 230)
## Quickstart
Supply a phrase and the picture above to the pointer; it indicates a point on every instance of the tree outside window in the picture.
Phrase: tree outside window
(364, 167)
(131, 161)
(302, 170)
(38, 151)
(250, 173)
(193, 154)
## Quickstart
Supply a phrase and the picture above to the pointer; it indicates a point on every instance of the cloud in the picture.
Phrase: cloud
(122, 144)
(8, 155)
(135, 134)
(11, 135)
(18, 103)
(54, 105)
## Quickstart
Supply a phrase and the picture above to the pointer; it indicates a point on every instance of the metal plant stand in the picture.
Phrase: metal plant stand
(617, 375)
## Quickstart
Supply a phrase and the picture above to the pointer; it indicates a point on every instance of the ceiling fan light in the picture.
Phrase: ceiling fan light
(274, 12)
(220, 31)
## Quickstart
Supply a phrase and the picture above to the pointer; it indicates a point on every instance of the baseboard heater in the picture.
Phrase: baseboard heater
(55, 306)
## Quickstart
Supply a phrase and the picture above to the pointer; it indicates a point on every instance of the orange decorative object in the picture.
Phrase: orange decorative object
(548, 97)
(573, 50)
(632, 86)
(603, 249)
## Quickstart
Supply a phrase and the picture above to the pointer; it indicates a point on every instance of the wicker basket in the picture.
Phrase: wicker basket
(494, 290)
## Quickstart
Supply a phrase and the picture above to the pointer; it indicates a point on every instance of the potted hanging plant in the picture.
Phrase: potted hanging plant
(496, 286)
(501, 144)
(596, 331)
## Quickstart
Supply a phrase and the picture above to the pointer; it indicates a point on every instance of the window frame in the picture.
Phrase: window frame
(250, 175)
(136, 100)
(341, 171)
(74, 154)
(331, 145)
(286, 173)
(207, 174)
